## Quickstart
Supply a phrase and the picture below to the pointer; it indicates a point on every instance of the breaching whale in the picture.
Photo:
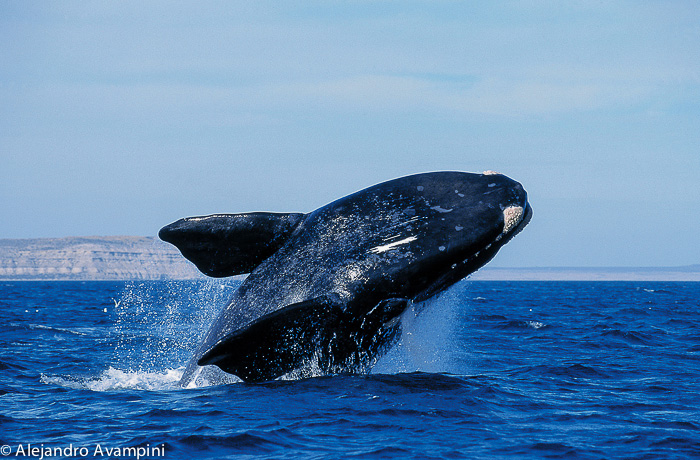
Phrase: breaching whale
(326, 288)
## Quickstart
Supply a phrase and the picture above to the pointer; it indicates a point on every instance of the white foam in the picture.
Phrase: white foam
(512, 216)
(113, 379)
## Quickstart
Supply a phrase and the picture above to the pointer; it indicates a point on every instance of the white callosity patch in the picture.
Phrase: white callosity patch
(490, 173)
(512, 216)
(387, 247)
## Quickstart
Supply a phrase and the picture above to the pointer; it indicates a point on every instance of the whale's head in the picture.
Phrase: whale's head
(452, 224)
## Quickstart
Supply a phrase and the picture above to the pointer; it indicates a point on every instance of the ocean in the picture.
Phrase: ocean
(487, 370)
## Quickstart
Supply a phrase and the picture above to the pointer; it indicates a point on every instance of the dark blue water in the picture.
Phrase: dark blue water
(488, 370)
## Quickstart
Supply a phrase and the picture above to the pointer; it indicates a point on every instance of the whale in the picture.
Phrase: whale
(325, 290)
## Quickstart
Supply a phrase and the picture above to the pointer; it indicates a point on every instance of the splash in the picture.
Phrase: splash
(311, 368)
(210, 376)
(113, 379)
(159, 325)
(427, 333)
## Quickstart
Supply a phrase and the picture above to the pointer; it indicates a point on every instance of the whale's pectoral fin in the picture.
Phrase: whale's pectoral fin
(230, 244)
(276, 343)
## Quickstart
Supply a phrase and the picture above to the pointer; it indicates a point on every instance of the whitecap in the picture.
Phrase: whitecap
(113, 379)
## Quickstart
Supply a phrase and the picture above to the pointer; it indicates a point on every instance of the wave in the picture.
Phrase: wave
(631, 337)
(13, 327)
(658, 291)
(521, 324)
(55, 329)
(577, 370)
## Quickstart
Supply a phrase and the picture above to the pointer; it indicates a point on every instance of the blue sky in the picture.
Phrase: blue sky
(117, 118)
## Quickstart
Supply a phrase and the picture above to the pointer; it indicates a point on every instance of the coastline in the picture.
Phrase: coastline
(690, 273)
(117, 258)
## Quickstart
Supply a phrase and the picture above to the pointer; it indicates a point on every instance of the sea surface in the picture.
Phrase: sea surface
(488, 370)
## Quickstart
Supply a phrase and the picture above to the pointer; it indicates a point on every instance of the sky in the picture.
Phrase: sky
(117, 118)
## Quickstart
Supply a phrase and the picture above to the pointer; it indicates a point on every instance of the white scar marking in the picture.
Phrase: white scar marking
(441, 210)
(512, 216)
(387, 247)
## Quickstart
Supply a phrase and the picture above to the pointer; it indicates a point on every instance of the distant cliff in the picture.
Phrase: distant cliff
(92, 258)
(148, 258)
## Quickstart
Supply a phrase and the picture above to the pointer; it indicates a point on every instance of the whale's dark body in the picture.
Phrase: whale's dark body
(326, 288)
